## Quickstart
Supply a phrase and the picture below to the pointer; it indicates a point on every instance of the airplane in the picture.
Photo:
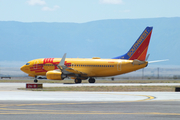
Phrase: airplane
(82, 68)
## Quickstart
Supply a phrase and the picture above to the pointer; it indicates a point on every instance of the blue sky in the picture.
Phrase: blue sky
(80, 11)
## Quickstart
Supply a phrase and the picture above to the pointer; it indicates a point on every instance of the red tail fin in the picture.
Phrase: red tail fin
(140, 47)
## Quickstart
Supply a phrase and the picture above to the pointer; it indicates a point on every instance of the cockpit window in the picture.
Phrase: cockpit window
(27, 63)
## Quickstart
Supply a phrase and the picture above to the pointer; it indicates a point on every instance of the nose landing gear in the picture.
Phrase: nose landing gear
(35, 80)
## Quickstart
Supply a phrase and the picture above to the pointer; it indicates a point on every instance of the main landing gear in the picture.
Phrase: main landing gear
(78, 80)
(92, 80)
(35, 80)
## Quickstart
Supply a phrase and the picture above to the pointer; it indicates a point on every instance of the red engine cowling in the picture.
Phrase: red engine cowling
(54, 75)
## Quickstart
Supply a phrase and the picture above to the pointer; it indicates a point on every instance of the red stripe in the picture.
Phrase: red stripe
(142, 57)
(141, 48)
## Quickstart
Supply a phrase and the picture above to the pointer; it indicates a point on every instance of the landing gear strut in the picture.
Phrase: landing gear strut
(77, 80)
(35, 80)
(92, 80)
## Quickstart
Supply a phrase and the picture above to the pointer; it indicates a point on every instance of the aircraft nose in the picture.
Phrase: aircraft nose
(23, 68)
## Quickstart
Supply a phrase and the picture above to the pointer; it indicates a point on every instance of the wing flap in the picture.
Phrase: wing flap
(71, 70)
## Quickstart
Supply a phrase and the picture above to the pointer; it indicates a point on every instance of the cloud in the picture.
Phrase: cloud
(36, 2)
(50, 9)
(42, 3)
(111, 1)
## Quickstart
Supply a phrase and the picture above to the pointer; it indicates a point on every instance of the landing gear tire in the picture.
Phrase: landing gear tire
(77, 80)
(92, 80)
(35, 80)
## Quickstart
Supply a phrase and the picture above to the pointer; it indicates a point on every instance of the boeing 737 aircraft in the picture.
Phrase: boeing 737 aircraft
(82, 69)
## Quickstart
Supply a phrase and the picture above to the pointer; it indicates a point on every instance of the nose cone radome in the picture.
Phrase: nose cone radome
(24, 69)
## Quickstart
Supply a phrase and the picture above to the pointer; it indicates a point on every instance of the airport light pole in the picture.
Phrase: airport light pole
(142, 73)
(158, 72)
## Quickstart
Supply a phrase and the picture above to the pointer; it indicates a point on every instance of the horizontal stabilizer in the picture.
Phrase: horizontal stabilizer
(138, 62)
(158, 61)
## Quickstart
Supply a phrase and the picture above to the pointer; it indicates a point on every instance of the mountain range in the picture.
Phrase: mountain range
(21, 41)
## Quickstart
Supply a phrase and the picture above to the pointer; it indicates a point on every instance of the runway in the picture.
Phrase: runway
(37, 105)
(89, 110)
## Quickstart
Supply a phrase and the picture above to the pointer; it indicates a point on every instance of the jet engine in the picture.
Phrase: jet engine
(55, 75)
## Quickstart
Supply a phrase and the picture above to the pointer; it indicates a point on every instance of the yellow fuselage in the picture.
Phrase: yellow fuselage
(92, 67)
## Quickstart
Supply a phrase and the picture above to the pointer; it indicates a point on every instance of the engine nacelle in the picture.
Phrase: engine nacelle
(55, 75)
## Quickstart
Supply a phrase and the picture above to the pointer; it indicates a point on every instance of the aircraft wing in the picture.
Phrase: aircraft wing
(66, 70)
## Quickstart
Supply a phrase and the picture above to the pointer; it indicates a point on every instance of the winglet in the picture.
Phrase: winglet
(62, 60)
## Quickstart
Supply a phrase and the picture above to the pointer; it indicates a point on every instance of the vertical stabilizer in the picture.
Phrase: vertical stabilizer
(140, 47)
